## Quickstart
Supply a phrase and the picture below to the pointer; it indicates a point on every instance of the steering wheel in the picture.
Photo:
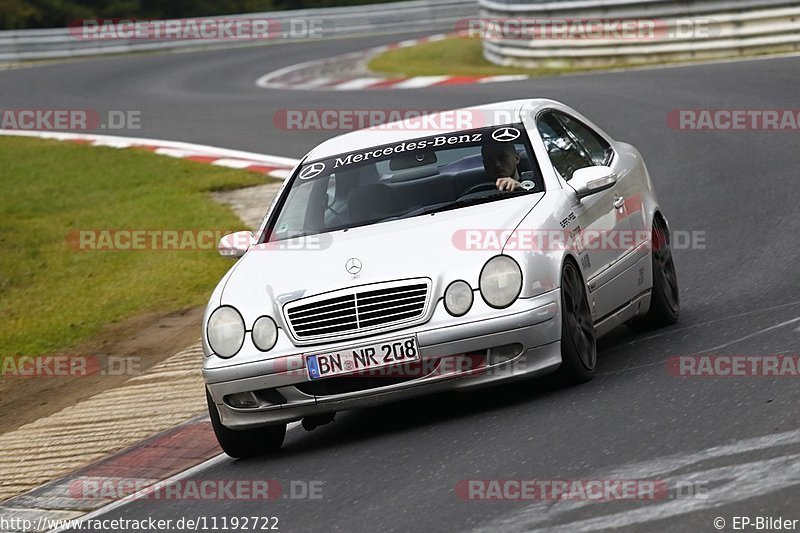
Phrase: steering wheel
(479, 188)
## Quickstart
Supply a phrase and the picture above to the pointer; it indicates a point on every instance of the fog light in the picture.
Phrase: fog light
(503, 354)
(241, 400)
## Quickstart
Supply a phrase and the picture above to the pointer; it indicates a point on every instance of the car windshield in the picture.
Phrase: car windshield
(406, 179)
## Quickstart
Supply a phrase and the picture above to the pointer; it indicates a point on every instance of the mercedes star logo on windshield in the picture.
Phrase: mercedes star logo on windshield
(505, 135)
(312, 171)
(353, 266)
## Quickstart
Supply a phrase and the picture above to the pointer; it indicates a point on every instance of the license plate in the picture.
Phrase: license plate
(360, 358)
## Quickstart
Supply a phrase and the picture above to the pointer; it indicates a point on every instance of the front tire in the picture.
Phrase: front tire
(665, 304)
(578, 340)
(241, 443)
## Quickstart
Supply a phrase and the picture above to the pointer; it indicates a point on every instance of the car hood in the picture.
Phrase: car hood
(429, 246)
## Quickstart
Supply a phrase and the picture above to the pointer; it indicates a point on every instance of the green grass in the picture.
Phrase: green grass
(456, 56)
(461, 56)
(53, 296)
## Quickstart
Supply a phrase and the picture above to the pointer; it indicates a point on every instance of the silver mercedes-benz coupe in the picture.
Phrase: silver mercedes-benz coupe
(412, 258)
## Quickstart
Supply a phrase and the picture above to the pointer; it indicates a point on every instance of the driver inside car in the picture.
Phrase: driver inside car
(500, 163)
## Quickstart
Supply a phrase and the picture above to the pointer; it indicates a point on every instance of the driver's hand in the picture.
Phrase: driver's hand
(507, 184)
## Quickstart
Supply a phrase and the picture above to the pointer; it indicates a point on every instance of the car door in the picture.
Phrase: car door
(601, 153)
(597, 219)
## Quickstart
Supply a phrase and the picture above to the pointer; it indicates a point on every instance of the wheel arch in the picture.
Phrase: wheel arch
(569, 257)
(658, 216)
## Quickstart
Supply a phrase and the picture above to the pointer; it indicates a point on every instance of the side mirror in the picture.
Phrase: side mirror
(235, 244)
(591, 180)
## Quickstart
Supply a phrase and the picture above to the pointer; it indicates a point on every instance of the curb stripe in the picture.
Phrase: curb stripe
(420, 81)
(504, 77)
(313, 83)
(387, 83)
(279, 167)
(356, 83)
(154, 459)
(296, 77)
(459, 80)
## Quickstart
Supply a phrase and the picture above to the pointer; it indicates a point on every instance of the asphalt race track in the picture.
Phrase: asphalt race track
(395, 468)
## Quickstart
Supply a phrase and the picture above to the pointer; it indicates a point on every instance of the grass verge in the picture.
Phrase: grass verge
(461, 56)
(456, 56)
(52, 295)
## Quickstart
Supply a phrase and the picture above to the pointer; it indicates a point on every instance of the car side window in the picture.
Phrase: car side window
(565, 154)
(597, 147)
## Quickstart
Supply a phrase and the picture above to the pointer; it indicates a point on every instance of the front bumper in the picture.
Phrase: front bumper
(520, 341)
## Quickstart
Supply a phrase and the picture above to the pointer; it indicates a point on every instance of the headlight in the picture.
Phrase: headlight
(458, 298)
(500, 281)
(265, 333)
(225, 331)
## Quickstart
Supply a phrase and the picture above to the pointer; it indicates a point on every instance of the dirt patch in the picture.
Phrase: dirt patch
(146, 339)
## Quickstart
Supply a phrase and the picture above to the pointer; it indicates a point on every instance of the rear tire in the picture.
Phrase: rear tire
(665, 302)
(241, 443)
(578, 341)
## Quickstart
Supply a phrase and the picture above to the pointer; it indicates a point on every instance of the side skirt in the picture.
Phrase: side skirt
(639, 305)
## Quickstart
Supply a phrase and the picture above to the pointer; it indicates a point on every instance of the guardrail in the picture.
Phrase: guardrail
(422, 15)
(684, 30)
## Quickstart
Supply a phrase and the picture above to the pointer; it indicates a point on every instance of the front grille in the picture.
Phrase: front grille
(352, 311)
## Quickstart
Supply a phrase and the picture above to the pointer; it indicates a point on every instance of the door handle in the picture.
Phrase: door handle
(619, 202)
